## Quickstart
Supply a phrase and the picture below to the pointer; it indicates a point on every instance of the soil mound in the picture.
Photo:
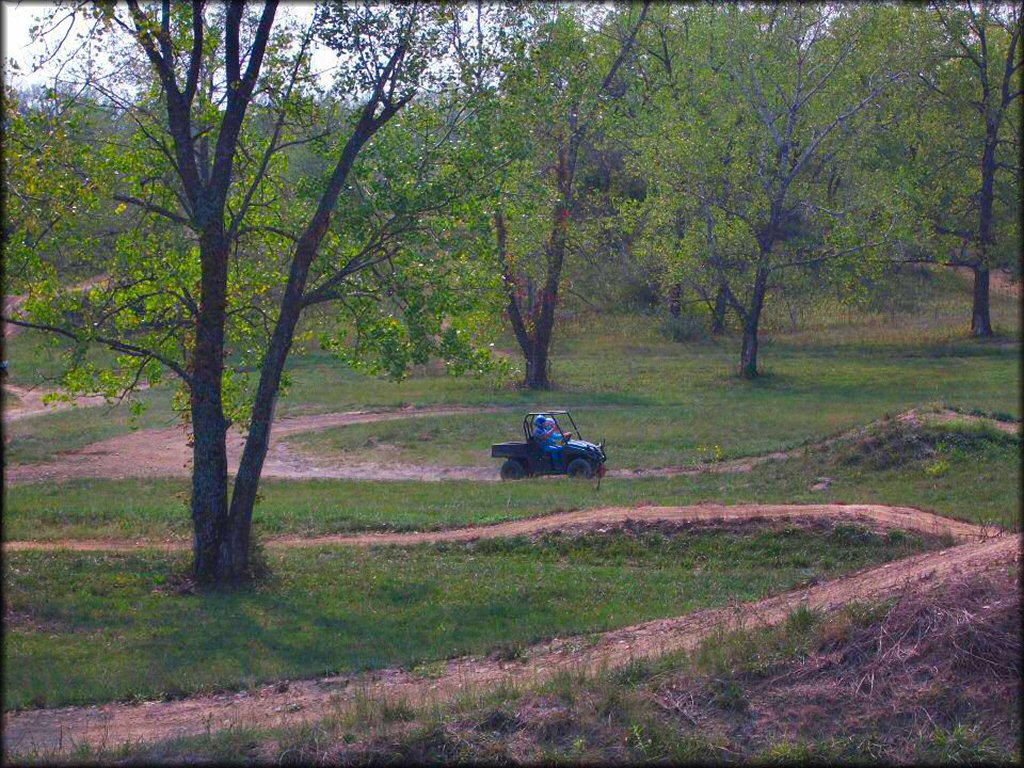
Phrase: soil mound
(915, 681)
(875, 516)
(945, 661)
(915, 437)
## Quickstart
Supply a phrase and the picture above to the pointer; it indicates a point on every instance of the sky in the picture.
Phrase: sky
(15, 20)
(18, 16)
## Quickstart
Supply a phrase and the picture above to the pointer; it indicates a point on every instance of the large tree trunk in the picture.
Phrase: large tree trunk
(534, 338)
(524, 336)
(544, 318)
(236, 546)
(538, 346)
(675, 293)
(751, 323)
(537, 369)
(718, 315)
(748, 356)
(981, 320)
(209, 450)
(209, 484)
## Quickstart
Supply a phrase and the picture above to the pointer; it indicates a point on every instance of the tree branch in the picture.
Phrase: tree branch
(239, 92)
(276, 135)
(812, 147)
(153, 208)
(178, 117)
(117, 346)
(827, 256)
(196, 57)
(626, 47)
(143, 34)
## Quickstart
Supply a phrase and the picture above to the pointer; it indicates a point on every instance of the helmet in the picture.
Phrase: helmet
(539, 421)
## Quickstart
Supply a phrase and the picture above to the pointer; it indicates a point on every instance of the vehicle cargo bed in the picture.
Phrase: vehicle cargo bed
(510, 450)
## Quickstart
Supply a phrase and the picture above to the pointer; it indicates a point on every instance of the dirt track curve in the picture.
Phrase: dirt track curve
(310, 700)
(165, 452)
(31, 403)
(875, 516)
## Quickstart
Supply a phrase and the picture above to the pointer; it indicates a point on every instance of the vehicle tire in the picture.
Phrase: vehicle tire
(580, 468)
(512, 470)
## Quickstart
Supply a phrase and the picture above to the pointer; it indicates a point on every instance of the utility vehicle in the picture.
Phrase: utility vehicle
(528, 458)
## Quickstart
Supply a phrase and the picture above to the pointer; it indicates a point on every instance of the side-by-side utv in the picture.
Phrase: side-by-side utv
(528, 458)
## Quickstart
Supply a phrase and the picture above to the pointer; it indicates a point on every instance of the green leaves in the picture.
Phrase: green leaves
(752, 154)
(953, 107)
(98, 193)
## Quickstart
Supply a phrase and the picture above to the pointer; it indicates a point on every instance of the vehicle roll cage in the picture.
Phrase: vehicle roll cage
(528, 423)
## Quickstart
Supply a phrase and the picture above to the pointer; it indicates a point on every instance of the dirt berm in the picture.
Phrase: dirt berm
(875, 516)
(309, 700)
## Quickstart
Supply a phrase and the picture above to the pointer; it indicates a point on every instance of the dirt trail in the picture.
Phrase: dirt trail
(30, 402)
(165, 453)
(946, 416)
(310, 700)
(874, 516)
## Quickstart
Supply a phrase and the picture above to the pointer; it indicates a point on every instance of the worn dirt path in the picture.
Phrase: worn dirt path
(165, 453)
(875, 516)
(304, 701)
(30, 402)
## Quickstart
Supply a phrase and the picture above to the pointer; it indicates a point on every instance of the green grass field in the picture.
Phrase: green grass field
(972, 476)
(343, 609)
(655, 402)
(87, 628)
(681, 708)
(689, 406)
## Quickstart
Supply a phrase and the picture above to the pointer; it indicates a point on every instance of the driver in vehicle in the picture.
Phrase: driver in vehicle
(545, 431)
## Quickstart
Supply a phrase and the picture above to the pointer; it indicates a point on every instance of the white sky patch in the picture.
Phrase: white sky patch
(16, 20)
(17, 17)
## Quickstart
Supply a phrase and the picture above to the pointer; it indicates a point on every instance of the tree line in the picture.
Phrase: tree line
(462, 167)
